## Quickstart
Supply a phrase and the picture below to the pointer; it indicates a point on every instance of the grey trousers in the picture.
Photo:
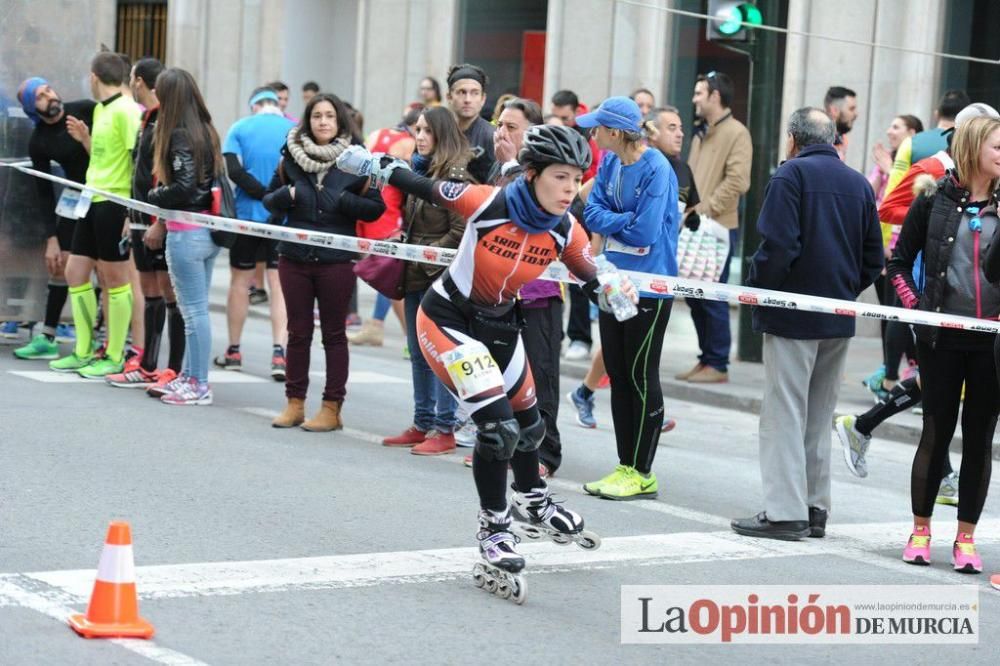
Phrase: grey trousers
(801, 383)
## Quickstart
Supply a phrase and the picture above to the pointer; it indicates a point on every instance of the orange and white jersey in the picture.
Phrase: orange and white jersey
(497, 257)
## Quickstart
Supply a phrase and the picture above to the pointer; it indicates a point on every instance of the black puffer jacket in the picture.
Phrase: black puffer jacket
(332, 206)
(932, 226)
(187, 190)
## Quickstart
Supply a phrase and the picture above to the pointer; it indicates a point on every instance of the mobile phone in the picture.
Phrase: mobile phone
(123, 245)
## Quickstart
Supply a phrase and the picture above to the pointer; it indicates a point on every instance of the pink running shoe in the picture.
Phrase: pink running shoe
(995, 581)
(964, 557)
(918, 548)
(164, 383)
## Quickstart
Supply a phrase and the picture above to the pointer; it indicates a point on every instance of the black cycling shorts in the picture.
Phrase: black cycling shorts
(64, 233)
(249, 250)
(99, 234)
(146, 260)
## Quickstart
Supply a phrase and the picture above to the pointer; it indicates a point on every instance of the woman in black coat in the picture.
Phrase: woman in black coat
(311, 193)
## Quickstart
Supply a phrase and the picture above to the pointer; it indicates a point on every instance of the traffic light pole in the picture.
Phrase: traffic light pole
(766, 84)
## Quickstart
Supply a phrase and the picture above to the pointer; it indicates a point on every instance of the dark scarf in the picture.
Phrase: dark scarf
(420, 164)
(525, 211)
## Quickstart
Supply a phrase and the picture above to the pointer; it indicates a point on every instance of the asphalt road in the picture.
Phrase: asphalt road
(258, 546)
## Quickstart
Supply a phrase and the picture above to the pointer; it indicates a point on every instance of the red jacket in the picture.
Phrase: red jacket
(896, 204)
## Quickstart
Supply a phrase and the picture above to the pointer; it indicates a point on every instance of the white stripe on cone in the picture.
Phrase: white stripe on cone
(117, 565)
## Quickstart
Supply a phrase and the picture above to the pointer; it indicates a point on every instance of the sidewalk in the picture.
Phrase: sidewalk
(680, 352)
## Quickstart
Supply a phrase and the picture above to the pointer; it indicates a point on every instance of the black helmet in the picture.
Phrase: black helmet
(555, 144)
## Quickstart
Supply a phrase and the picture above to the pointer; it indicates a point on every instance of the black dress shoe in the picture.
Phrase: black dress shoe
(760, 526)
(817, 522)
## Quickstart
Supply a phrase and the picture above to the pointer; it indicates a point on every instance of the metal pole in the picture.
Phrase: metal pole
(766, 84)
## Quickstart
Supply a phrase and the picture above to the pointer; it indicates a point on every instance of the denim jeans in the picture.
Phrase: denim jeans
(711, 321)
(190, 257)
(433, 406)
(382, 305)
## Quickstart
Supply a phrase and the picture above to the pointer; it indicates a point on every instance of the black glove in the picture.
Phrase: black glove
(692, 221)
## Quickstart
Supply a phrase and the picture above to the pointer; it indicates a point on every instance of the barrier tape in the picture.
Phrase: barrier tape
(557, 272)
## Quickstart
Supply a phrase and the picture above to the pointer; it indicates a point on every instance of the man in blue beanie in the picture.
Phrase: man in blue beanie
(59, 135)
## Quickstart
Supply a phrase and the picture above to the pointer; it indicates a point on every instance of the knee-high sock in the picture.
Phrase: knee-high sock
(84, 302)
(119, 318)
(54, 306)
(175, 332)
(154, 315)
(903, 395)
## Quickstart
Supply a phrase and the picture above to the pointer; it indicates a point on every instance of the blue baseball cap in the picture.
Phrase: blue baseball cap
(262, 95)
(619, 113)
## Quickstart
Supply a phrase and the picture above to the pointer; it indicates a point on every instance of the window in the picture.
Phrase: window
(142, 29)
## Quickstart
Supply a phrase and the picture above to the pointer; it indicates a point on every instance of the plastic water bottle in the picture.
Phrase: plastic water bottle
(611, 283)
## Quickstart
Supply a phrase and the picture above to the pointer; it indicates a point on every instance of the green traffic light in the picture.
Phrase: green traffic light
(751, 15)
(731, 20)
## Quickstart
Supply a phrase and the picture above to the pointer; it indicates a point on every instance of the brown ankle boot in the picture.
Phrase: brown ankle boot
(326, 419)
(372, 333)
(294, 414)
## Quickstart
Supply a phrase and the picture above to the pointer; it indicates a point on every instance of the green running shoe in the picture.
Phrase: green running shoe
(70, 363)
(39, 348)
(631, 485)
(594, 487)
(99, 368)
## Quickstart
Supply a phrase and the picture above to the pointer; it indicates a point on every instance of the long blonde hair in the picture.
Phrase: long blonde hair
(967, 145)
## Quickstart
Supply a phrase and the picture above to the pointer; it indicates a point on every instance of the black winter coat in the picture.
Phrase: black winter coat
(332, 206)
(187, 190)
(931, 226)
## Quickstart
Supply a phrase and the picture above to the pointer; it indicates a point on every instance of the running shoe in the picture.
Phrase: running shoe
(668, 425)
(467, 461)
(918, 548)
(9, 330)
(465, 434)
(132, 377)
(855, 445)
(278, 365)
(164, 383)
(948, 490)
(604, 382)
(188, 391)
(353, 320)
(70, 363)
(584, 408)
(577, 351)
(257, 296)
(406, 352)
(873, 383)
(594, 487)
(631, 486)
(229, 361)
(100, 368)
(964, 557)
(910, 371)
(39, 348)
(65, 333)
(995, 581)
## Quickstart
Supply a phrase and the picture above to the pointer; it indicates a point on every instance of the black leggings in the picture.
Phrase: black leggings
(942, 373)
(491, 475)
(632, 357)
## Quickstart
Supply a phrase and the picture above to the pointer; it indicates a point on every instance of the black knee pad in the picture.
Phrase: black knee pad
(532, 435)
(496, 439)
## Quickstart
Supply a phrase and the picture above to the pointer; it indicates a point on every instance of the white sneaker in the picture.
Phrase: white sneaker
(577, 351)
(465, 435)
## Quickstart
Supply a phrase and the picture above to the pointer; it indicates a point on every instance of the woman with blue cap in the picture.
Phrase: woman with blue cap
(634, 206)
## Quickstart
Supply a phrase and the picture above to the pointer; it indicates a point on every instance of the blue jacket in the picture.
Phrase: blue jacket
(636, 206)
(820, 236)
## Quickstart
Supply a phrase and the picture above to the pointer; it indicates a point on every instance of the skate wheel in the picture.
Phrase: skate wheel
(491, 585)
(504, 590)
(589, 540)
(479, 575)
(519, 590)
(561, 540)
(529, 532)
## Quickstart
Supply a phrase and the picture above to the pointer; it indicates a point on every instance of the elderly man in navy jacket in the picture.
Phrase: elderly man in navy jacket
(821, 237)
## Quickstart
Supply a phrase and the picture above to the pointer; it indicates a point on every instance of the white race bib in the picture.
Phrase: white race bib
(617, 246)
(83, 205)
(472, 369)
(68, 201)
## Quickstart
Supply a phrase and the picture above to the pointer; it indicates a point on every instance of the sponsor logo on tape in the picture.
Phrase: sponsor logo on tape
(748, 299)
(659, 286)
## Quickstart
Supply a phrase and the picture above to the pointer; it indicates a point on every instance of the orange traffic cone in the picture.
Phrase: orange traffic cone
(113, 611)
